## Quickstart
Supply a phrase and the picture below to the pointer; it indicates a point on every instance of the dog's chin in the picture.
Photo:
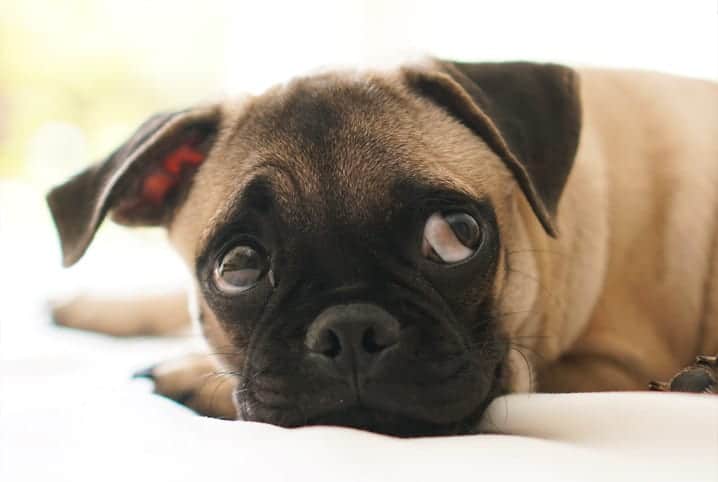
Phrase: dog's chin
(398, 425)
(369, 418)
(377, 413)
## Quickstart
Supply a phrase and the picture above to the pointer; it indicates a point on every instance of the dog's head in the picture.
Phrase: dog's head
(348, 232)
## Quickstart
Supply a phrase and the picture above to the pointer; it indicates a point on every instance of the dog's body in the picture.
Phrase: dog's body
(625, 291)
(636, 260)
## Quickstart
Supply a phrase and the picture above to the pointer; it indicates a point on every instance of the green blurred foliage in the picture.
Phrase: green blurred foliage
(102, 66)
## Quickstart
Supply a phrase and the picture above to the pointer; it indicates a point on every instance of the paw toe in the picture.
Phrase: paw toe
(148, 373)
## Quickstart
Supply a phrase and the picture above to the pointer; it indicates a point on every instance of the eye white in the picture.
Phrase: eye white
(441, 240)
(239, 269)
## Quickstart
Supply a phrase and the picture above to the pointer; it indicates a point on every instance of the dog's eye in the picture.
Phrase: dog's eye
(450, 238)
(239, 269)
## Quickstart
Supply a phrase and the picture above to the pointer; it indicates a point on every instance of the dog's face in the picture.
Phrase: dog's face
(347, 233)
(350, 267)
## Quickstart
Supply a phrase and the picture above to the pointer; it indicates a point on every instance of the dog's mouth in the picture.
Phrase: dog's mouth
(388, 409)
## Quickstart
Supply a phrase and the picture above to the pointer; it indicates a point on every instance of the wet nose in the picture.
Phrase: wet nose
(352, 336)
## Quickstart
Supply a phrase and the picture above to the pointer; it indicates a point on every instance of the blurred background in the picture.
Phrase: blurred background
(76, 77)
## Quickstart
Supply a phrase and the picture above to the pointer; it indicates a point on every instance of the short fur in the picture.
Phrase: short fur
(597, 192)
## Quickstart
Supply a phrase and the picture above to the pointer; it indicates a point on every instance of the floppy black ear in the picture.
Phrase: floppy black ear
(141, 182)
(528, 113)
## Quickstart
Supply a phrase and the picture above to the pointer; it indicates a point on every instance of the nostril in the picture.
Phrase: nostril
(370, 343)
(328, 344)
(374, 341)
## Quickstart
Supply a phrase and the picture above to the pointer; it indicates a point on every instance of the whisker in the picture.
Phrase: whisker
(529, 365)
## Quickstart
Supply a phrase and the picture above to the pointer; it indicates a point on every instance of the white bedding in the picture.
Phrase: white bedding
(70, 412)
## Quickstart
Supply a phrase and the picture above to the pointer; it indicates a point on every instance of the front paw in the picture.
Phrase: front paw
(196, 382)
(701, 377)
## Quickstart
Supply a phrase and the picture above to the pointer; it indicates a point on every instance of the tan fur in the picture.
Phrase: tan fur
(162, 314)
(626, 294)
(195, 381)
(638, 223)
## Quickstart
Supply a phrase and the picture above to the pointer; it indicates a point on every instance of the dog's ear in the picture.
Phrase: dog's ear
(529, 114)
(141, 183)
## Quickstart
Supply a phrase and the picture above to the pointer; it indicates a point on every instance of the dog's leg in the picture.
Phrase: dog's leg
(196, 382)
(595, 374)
(588, 373)
(129, 316)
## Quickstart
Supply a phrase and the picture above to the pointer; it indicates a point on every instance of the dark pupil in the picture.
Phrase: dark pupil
(242, 266)
(465, 228)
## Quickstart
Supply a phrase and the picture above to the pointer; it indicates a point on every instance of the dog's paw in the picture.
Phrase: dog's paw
(130, 316)
(701, 377)
(194, 381)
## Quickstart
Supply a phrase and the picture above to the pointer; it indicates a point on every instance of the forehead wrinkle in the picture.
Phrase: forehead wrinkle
(341, 165)
(282, 184)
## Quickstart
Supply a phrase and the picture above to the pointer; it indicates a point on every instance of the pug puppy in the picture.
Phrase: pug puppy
(393, 250)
